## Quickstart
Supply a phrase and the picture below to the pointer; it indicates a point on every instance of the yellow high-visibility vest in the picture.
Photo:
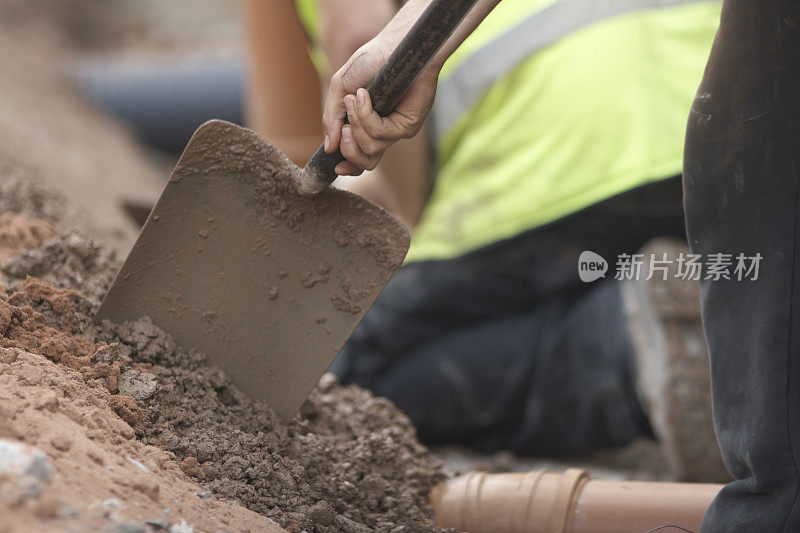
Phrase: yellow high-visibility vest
(307, 13)
(551, 106)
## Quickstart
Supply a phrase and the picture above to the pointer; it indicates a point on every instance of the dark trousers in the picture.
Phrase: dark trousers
(505, 347)
(742, 193)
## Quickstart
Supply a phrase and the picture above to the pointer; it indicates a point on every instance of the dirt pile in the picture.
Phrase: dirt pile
(18, 232)
(60, 158)
(70, 262)
(348, 462)
(92, 475)
(80, 23)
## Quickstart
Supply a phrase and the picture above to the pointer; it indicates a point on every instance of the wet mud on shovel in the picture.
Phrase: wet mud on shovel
(268, 283)
(236, 264)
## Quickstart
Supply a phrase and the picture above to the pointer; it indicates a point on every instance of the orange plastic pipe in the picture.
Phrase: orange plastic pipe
(541, 502)
(284, 103)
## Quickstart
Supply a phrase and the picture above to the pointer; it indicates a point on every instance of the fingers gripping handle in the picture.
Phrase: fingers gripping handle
(393, 79)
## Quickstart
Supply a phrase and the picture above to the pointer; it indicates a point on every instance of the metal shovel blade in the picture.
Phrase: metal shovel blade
(235, 264)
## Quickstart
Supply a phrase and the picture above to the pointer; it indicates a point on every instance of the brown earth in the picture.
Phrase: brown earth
(60, 158)
(103, 478)
(18, 232)
(348, 462)
(141, 435)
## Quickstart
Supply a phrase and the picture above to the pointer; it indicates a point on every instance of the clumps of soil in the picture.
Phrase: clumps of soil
(348, 462)
(53, 336)
(19, 196)
(60, 159)
(18, 232)
(69, 262)
(91, 473)
(221, 146)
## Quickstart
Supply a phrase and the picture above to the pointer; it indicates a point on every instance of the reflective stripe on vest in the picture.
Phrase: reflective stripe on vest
(458, 91)
(553, 106)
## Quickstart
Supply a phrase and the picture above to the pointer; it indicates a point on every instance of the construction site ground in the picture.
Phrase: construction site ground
(115, 427)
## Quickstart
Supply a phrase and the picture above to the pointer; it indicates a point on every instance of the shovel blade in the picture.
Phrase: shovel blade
(235, 264)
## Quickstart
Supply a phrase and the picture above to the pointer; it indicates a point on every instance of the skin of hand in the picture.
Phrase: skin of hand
(368, 135)
(400, 184)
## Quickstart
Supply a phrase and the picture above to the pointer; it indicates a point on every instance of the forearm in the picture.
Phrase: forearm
(367, 134)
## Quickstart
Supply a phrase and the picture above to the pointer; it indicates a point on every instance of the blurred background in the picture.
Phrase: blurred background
(99, 97)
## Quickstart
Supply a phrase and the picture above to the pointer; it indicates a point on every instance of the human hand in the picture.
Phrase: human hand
(363, 141)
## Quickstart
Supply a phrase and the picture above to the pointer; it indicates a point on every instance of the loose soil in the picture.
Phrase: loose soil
(103, 478)
(60, 158)
(142, 435)
(18, 232)
(348, 462)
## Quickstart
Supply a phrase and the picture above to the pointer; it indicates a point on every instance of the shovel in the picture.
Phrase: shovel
(234, 262)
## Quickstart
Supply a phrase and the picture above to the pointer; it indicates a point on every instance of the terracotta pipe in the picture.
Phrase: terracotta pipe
(283, 89)
(541, 502)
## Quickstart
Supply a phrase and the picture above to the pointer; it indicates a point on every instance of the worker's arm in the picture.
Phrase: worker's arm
(364, 140)
(345, 25)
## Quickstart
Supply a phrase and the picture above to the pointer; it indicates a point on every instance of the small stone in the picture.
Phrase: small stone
(137, 384)
(157, 523)
(68, 512)
(29, 487)
(272, 294)
(321, 513)
(326, 382)
(138, 465)
(106, 354)
(127, 409)
(129, 527)
(112, 503)
(61, 443)
(207, 495)
(345, 524)
(9, 355)
(183, 527)
(190, 466)
(47, 401)
(286, 479)
(388, 503)
(97, 456)
(105, 508)
(29, 374)
(17, 458)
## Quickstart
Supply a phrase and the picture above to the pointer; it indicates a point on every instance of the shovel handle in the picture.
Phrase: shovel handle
(393, 79)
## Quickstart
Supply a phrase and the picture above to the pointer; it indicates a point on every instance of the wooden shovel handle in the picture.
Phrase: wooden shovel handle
(393, 79)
